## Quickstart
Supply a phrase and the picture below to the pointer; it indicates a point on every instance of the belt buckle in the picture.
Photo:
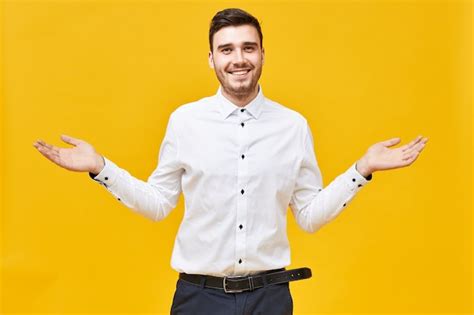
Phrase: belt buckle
(231, 290)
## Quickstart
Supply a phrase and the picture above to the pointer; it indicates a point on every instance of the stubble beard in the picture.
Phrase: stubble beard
(239, 90)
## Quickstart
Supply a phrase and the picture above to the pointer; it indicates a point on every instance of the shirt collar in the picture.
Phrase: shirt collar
(226, 107)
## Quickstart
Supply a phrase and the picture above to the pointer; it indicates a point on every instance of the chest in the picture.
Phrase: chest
(226, 148)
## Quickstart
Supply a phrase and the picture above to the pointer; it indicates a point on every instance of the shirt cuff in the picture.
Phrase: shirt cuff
(108, 175)
(356, 179)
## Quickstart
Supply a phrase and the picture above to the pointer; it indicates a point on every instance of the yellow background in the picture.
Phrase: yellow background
(111, 72)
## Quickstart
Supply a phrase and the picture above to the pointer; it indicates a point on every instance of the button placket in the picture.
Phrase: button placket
(243, 192)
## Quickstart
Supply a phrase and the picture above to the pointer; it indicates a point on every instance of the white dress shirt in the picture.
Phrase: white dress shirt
(239, 169)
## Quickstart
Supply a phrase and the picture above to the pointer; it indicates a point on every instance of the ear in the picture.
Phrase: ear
(263, 55)
(211, 60)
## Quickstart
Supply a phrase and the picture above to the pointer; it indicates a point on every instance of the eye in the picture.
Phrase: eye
(249, 48)
(225, 50)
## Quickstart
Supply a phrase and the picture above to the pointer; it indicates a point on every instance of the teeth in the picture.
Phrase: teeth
(240, 72)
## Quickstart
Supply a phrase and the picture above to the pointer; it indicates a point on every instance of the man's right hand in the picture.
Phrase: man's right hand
(81, 158)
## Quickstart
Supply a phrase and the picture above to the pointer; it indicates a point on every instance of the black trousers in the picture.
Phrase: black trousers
(190, 298)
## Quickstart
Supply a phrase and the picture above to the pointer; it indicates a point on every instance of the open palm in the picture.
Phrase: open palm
(80, 158)
(381, 157)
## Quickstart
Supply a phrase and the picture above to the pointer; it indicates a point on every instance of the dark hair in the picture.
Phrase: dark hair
(232, 17)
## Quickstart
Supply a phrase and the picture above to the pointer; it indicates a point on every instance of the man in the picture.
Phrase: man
(240, 160)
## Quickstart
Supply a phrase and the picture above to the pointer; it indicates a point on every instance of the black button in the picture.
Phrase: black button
(118, 199)
(240, 261)
(344, 205)
(320, 189)
(359, 185)
(242, 191)
(106, 178)
(353, 179)
(242, 124)
(242, 110)
(243, 156)
(240, 226)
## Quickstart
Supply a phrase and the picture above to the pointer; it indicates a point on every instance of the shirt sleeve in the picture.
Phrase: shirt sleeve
(313, 206)
(159, 195)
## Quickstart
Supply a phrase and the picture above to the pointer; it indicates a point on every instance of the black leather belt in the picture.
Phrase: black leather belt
(234, 284)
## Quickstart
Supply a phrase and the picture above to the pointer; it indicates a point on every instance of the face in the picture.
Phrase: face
(237, 59)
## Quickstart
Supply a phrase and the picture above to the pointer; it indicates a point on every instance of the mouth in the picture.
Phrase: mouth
(239, 73)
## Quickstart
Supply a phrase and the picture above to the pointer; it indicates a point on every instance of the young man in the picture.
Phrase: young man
(240, 159)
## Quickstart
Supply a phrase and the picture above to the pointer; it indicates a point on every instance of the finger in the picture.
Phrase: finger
(419, 146)
(411, 144)
(47, 149)
(70, 140)
(408, 155)
(390, 142)
(413, 151)
(410, 158)
(404, 147)
(38, 142)
(53, 157)
(49, 146)
(414, 142)
(48, 153)
(40, 145)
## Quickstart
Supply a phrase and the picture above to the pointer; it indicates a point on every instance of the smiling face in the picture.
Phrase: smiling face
(237, 59)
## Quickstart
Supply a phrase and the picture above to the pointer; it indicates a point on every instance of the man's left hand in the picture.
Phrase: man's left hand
(380, 157)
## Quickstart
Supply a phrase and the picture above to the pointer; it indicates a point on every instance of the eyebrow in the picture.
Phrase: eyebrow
(230, 45)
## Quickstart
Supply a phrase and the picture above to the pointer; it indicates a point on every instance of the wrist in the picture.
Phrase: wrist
(100, 164)
(363, 167)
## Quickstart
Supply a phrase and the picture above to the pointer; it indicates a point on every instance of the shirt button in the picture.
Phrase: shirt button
(240, 226)
(242, 110)
(242, 124)
(240, 261)
(359, 185)
(353, 179)
(344, 205)
(106, 178)
(242, 191)
(243, 156)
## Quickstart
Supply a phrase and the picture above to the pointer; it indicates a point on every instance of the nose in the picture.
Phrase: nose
(239, 56)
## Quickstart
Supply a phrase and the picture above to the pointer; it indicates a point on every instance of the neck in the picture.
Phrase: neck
(241, 100)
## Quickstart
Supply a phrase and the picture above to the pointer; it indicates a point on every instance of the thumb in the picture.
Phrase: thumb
(390, 142)
(70, 140)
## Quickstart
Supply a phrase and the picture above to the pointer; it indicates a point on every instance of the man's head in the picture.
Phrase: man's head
(236, 51)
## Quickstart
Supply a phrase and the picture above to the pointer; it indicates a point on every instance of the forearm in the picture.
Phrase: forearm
(134, 193)
(329, 202)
